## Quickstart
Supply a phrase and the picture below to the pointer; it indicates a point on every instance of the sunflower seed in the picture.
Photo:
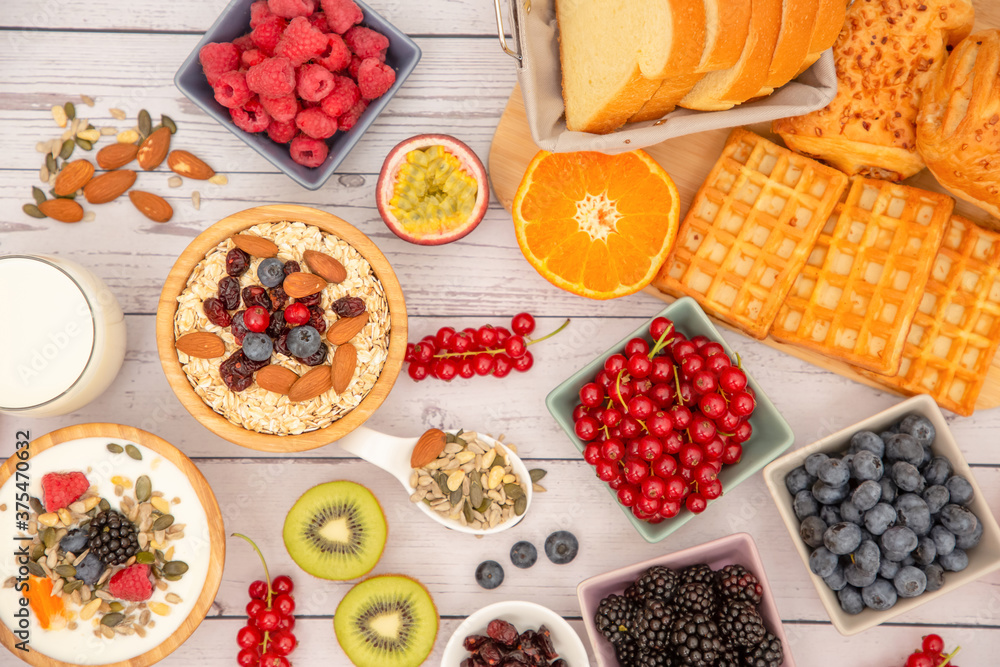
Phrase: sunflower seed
(117, 114)
(196, 200)
(175, 182)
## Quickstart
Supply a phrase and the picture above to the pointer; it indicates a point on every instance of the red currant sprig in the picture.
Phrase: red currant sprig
(932, 654)
(267, 638)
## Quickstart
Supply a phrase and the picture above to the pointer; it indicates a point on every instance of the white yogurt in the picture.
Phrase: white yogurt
(91, 456)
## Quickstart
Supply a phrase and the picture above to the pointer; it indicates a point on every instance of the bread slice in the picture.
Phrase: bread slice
(726, 88)
(798, 17)
(667, 38)
(830, 18)
(727, 24)
(602, 82)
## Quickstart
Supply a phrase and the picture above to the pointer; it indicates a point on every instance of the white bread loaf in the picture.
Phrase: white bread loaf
(798, 17)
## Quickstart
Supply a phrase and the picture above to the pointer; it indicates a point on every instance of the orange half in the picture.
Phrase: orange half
(593, 224)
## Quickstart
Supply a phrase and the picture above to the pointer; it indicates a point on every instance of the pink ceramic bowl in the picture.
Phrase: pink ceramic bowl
(738, 548)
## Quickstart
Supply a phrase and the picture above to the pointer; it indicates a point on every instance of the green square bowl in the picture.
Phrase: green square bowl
(771, 433)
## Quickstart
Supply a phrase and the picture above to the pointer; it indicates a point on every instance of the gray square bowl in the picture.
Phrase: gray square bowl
(983, 559)
(403, 55)
(771, 433)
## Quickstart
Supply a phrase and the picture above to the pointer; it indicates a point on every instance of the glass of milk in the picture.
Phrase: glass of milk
(62, 336)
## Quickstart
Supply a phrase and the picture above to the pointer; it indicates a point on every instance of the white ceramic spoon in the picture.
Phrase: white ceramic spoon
(392, 454)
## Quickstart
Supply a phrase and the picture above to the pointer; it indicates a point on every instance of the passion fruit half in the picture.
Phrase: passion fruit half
(432, 190)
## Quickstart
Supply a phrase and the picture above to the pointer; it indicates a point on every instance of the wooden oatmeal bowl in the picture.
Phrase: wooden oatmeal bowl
(177, 281)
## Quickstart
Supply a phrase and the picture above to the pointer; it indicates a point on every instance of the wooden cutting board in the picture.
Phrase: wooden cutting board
(688, 160)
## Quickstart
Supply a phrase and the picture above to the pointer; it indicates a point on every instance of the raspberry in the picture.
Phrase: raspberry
(315, 123)
(252, 57)
(318, 21)
(217, 58)
(290, 9)
(344, 96)
(300, 42)
(251, 117)
(59, 490)
(349, 119)
(308, 152)
(274, 77)
(281, 109)
(243, 43)
(258, 12)
(341, 14)
(281, 131)
(353, 67)
(132, 584)
(231, 89)
(336, 56)
(314, 82)
(267, 33)
(374, 78)
(366, 43)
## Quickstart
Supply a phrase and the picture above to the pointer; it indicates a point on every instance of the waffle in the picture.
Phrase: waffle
(956, 329)
(857, 294)
(749, 231)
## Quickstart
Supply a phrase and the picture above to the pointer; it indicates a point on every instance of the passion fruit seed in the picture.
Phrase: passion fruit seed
(433, 188)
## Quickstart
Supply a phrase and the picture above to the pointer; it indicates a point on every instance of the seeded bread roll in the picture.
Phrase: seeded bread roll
(958, 128)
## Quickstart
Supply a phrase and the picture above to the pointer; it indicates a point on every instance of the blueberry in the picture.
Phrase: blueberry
(822, 561)
(895, 556)
(848, 461)
(842, 538)
(303, 341)
(830, 514)
(956, 561)
(257, 346)
(879, 518)
(811, 531)
(830, 495)
(851, 600)
(813, 461)
(928, 455)
(958, 520)
(904, 447)
(90, 569)
(919, 427)
(857, 577)
(909, 560)
(910, 582)
(885, 435)
(938, 470)
(899, 540)
(960, 490)
(880, 596)
(866, 465)
(798, 480)
(944, 540)
(867, 557)
(805, 505)
(850, 512)
(489, 574)
(271, 272)
(889, 489)
(887, 569)
(867, 441)
(523, 554)
(833, 472)
(561, 547)
(835, 580)
(926, 551)
(912, 511)
(866, 495)
(972, 539)
(935, 577)
(75, 541)
(936, 497)
(906, 476)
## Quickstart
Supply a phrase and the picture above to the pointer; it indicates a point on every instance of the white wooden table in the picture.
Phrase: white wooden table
(125, 54)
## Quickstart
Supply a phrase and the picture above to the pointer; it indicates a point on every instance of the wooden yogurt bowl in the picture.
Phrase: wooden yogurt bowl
(177, 281)
(206, 498)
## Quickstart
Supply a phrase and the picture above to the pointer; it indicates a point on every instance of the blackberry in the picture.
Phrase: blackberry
(701, 574)
(656, 583)
(654, 659)
(741, 624)
(615, 618)
(626, 653)
(696, 642)
(652, 626)
(769, 653)
(112, 538)
(739, 584)
(730, 658)
(695, 598)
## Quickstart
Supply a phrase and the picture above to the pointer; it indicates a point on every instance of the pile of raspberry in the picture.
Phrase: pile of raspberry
(305, 71)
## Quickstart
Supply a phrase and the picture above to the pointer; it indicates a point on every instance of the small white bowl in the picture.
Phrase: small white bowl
(524, 616)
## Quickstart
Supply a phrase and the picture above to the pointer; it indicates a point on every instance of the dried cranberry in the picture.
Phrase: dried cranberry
(515, 658)
(559, 663)
(255, 295)
(533, 654)
(281, 344)
(229, 292)
(279, 297)
(238, 328)
(237, 262)
(543, 640)
(473, 642)
(316, 319)
(255, 366)
(277, 325)
(348, 306)
(311, 300)
(317, 357)
(526, 639)
(216, 312)
(501, 631)
(236, 371)
(490, 653)
(291, 266)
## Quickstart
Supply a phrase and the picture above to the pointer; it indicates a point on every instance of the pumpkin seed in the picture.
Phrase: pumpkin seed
(172, 577)
(143, 489)
(175, 568)
(476, 493)
(456, 496)
(104, 505)
(115, 448)
(65, 571)
(513, 491)
(114, 618)
(36, 569)
(536, 474)
(37, 551)
(157, 572)
(145, 123)
(163, 522)
(49, 538)
(145, 557)
(38, 194)
(33, 211)
(442, 482)
(50, 163)
(449, 438)
(484, 506)
(520, 505)
(71, 586)
(133, 452)
(67, 149)
(84, 144)
(169, 123)
(70, 110)
(36, 505)
(467, 511)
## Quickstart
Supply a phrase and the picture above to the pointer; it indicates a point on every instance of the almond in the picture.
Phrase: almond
(324, 265)
(189, 166)
(152, 206)
(345, 361)
(257, 246)
(346, 328)
(311, 385)
(299, 284)
(109, 185)
(116, 155)
(201, 344)
(429, 446)
(74, 175)
(276, 378)
(63, 210)
(154, 149)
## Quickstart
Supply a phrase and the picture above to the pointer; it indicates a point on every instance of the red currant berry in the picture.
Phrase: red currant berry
(515, 347)
(617, 481)
(249, 636)
(423, 353)
(282, 642)
(255, 606)
(287, 623)
(712, 349)
(742, 404)
(727, 422)
(486, 336)
(650, 447)
(282, 584)
(712, 489)
(445, 369)
(683, 349)
(636, 346)
(606, 471)
(630, 428)
(641, 386)
(654, 487)
(696, 503)
(579, 412)
(256, 318)
(732, 380)
(691, 365)
(522, 324)
(418, 371)
(270, 659)
(661, 370)
(465, 368)
(673, 442)
(713, 448)
(635, 470)
(664, 467)
(716, 465)
(502, 365)
(614, 364)
(611, 417)
(591, 394)
(658, 326)
(669, 508)
(933, 644)
(691, 455)
(920, 660)
(742, 432)
(712, 405)
(258, 590)
(662, 394)
(460, 342)
(717, 363)
(284, 604)
(598, 414)
(605, 380)
(628, 494)
(704, 473)
(503, 333)
(482, 363)
(592, 453)
(648, 505)
(586, 428)
(297, 313)
(444, 335)
(704, 382)
(622, 391)
(659, 424)
(524, 363)
(700, 341)
(639, 514)
(676, 488)
(681, 416)
(702, 429)
(639, 365)
(686, 392)
(248, 657)
(640, 407)
(267, 620)
(613, 450)
(632, 448)
(408, 357)
(732, 453)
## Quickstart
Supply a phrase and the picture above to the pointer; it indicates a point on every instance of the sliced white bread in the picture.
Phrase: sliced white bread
(798, 17)
(726, 88)
(727, 24)
(602, 84)
(662, 39)
(829, 21)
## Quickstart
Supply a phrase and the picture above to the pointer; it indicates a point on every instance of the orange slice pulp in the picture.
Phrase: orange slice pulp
(46, 607)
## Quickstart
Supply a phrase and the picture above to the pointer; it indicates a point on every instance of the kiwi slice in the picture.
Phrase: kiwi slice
(336, 531)
(387, 621)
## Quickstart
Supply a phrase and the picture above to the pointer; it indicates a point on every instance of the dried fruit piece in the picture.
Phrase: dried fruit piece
(256, 246)
(276, 378)
(74, 175)
(348, 306)
(154, 149)
(189, 166)
(346, 328)
(152, 206)
(116, 155)
(325, 266)
(201, 344)
(299, 284)
(345, 362)
(109, 186)
(317, 381)
(63, 210)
